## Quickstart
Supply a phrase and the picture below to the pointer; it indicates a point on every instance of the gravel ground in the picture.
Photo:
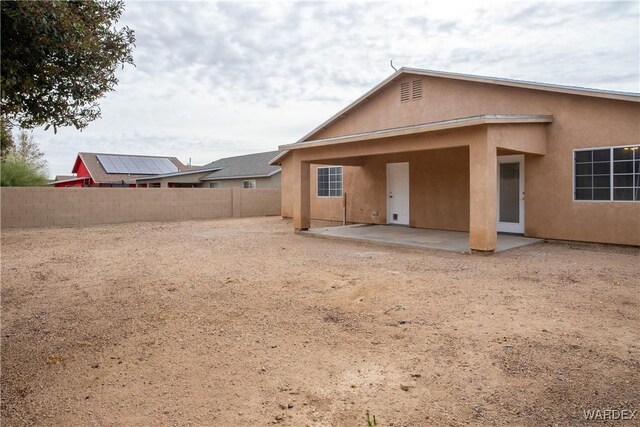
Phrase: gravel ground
(242, 322)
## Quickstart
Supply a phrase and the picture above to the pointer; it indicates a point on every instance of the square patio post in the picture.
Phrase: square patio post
(301, 195)
(483, 185)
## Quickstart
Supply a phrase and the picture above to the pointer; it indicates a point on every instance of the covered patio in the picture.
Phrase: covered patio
(451, 179)
(453, 241)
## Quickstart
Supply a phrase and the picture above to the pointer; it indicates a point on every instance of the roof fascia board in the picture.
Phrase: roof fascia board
(573, 90)
(75, 164)
(353, 104)
(87, 167)
(241, 176)
(424, 127)
(276, 159)
(130, 155)
(169, 175)
(81, 178)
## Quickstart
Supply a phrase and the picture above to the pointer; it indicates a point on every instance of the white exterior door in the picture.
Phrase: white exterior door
(398, 193)
(511, 194)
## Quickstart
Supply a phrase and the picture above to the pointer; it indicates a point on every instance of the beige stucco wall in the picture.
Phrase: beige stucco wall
(438, 183)
(578, 122)
(267, 182)
(38, 207)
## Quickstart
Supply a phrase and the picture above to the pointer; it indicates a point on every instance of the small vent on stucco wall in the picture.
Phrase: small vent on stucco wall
(417, 89)
(404, 91)
(411, 91)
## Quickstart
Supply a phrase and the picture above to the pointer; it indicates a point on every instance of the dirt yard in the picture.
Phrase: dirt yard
(243, 323)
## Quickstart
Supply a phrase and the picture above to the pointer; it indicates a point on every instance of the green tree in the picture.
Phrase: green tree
(16, 172)
(59, 58)
(22, 163)
(27, 149)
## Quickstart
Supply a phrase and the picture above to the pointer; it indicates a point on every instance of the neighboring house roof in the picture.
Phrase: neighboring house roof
(190, 171)
(100, 175)
(82, 179)
(247, 166)
(192, 167)
(64, 177)
(574, 90)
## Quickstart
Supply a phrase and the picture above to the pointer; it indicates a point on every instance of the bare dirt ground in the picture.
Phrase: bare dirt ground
(242, 322)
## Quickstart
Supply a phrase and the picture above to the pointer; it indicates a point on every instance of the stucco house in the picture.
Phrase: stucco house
(485, 155)
(246, 171)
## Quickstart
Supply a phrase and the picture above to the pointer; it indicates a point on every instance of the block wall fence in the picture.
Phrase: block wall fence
(47, 206)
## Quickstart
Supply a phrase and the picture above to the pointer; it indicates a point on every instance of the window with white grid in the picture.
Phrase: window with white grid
(609, 174)
(329, 181)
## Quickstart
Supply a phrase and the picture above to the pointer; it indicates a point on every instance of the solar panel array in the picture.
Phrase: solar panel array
(136, 165)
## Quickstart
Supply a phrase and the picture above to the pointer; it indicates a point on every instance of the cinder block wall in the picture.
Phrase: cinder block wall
(47, 206)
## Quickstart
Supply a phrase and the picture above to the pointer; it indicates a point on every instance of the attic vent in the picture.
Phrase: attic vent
(417, 89)
(404, 91)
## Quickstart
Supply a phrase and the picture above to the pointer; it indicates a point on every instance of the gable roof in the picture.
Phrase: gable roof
(574, 90)
(100, 175)
(247, 166)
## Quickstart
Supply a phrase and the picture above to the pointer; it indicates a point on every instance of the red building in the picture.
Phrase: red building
(117, 170)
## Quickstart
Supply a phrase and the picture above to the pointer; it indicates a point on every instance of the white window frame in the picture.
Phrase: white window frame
(611, 174)
(252, 183)
(215, 184)
(329, 182)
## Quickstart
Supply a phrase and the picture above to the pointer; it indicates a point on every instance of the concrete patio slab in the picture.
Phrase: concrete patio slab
(454, 241)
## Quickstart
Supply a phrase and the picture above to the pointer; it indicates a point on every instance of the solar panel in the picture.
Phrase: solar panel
(165, 165)
(128, 164)
(141, 166)
(106, 164)
(168, 164)
(118, 163)
(156, 165)
(136, 165)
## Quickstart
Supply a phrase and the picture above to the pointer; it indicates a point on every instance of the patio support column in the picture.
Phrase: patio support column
(301, 195)
(483, 196)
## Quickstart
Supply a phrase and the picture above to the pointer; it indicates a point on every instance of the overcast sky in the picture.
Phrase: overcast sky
(217, 79)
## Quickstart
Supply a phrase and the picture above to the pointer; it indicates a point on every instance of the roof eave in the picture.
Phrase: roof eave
(352, 104)
(183, 173)
(221, 178)
(63, 181)
(572, 90)
(276, 160)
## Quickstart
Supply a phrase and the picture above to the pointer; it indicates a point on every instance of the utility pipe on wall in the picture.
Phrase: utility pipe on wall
(344, 208)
